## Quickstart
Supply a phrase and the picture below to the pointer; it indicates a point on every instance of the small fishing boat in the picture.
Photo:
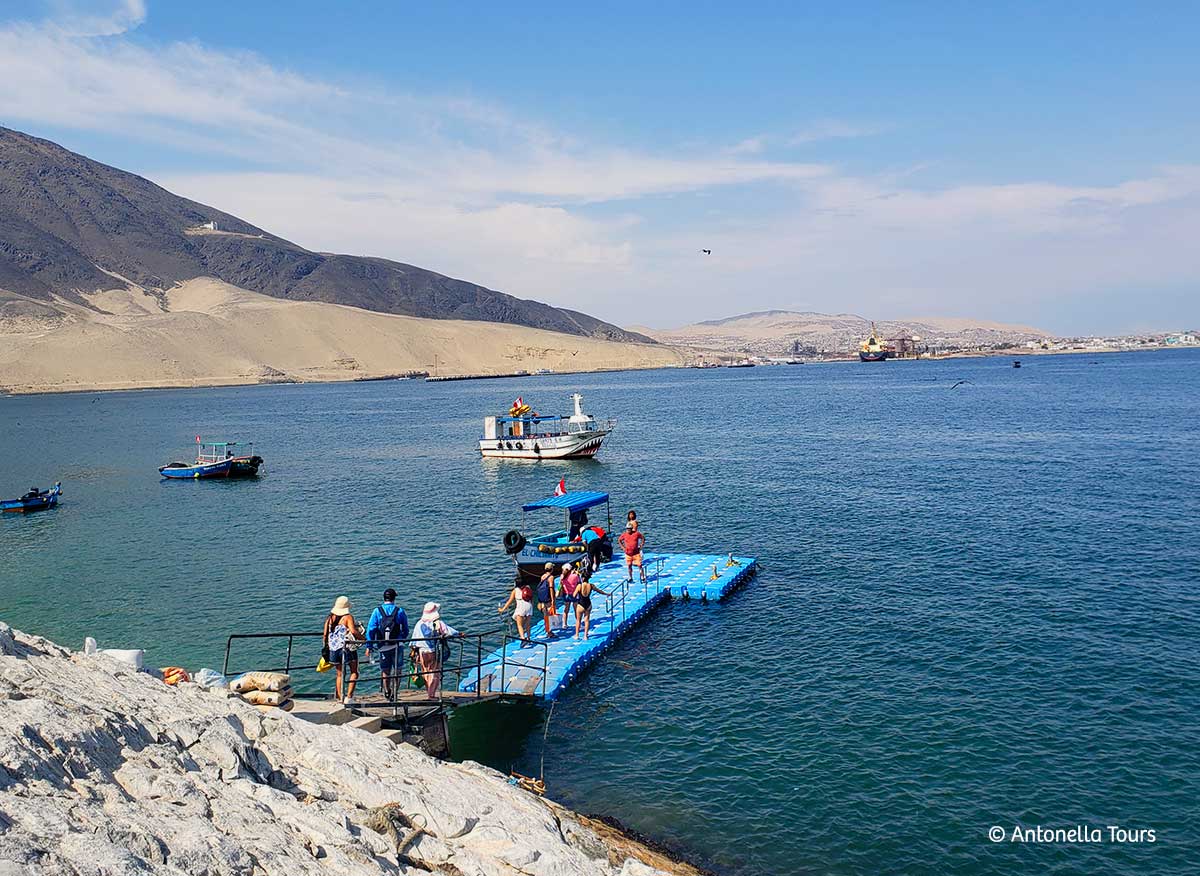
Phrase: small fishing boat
(34, 500)
(214, 459)
(525, 435)
(572, 543)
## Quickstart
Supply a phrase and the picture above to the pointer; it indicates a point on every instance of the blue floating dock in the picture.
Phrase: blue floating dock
(518, 671)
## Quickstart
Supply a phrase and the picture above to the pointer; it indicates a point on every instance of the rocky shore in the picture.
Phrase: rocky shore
(106, 771)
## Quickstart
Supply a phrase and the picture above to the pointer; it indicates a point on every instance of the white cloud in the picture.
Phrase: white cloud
(831, 130)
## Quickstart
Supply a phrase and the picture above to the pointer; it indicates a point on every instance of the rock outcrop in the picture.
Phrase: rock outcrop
(106, 771)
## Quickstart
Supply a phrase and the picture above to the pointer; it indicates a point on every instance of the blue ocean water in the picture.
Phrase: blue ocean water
(978, 604)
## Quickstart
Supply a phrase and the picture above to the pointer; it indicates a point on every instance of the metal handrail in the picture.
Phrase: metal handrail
(504, 662)
(611, 602)
(460, 669)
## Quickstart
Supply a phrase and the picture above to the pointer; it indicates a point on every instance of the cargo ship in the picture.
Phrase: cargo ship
(873, 349)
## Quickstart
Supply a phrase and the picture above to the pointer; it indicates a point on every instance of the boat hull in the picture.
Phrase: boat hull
(235, 467)
(178, 471)
(583, 445)
(28, 506)
(872, 357)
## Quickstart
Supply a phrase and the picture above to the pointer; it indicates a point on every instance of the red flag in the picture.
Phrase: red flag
(561, 489)
(197, 439)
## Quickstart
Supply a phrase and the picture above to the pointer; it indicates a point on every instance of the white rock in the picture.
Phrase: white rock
(104, 770)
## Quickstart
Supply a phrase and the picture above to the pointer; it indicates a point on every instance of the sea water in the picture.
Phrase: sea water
(977, 608)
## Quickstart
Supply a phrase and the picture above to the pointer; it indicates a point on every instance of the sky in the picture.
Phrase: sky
(1025, 163)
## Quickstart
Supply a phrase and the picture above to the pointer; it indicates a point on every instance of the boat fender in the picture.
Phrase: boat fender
(514, 542)
(519, 446)
(536, 448)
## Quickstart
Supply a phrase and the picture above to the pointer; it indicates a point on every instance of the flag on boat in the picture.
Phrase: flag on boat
(197, 439)
(561, 489)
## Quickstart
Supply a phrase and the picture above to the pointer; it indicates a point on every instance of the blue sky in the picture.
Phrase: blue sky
(1022, 164)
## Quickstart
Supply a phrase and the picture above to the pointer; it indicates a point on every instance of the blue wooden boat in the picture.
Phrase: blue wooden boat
(567, 545)
(34, 500)
(214, 459)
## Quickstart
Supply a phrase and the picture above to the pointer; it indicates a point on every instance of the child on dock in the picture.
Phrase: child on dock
(521, 595)
(631, 542)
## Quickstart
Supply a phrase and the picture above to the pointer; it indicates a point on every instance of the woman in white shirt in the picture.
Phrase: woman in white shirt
(428, 633)
(522, 596)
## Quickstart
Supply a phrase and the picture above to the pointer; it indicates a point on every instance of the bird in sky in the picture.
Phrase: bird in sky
(706, 251)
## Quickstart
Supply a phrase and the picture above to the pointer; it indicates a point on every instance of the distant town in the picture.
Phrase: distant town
(768, 352)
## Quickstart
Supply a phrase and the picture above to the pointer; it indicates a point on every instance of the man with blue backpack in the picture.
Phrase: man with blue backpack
(388, 623)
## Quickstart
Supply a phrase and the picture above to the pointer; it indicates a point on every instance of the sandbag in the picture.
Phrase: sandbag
(282, 707)
(268, 697)
(210, 678)
(133, 657)
(260, 681)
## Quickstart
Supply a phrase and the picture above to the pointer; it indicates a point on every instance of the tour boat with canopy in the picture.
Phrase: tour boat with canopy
(524, 434)
(215, 459)
(34, 500)
(578, 540)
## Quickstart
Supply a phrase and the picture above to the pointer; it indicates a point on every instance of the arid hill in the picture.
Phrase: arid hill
(70, 226)
(778, 332)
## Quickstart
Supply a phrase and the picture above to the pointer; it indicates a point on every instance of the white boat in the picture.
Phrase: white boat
(525, 435)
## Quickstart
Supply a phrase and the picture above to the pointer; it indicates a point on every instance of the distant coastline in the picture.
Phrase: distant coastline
(221, 382)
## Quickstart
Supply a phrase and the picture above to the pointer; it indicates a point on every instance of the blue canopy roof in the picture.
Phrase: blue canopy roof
(573, 501)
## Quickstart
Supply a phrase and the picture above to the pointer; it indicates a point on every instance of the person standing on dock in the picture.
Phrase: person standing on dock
(570, 585)
(388, 623)
(632, 542)
(341, 638)
(583, 606)
(430, 634)
(545, 597)
(522, 597)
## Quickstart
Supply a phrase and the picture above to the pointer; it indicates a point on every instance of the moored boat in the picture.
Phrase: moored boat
(214, 459)
(34, 500)
(578, 540)
(873, 349)
(524, 434)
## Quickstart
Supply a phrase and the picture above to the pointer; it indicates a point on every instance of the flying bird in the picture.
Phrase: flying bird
(706, 251)
(960, 383)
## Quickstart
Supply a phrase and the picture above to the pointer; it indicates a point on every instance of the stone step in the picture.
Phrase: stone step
(367, 723)
(396, 736)
(321, 711)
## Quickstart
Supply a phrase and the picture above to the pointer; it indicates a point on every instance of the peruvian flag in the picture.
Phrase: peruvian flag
(197, 439)
(561, 489)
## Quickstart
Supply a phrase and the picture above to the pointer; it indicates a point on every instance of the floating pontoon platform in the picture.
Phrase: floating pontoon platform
(546, 668)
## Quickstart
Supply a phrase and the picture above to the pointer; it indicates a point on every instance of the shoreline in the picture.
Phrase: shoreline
(224, 383)
(24, 390)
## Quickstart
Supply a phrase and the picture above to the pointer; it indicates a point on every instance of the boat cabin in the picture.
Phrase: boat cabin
(214, 451)
(570, 543)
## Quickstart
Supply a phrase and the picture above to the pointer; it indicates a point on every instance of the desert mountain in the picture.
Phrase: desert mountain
(71, 227)
(785, 331)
